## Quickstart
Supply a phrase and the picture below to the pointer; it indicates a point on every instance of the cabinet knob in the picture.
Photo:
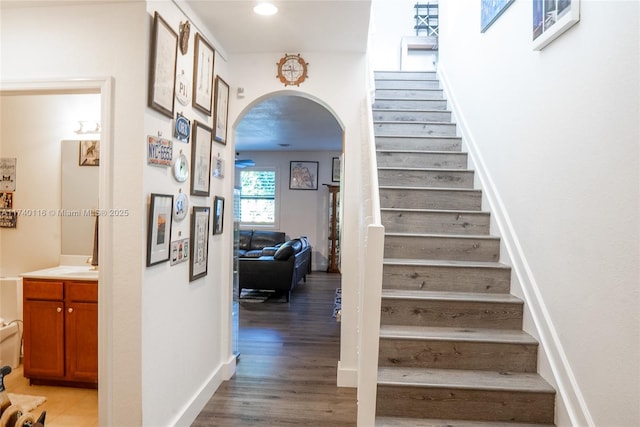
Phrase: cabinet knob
(59, 309)
(70, 310)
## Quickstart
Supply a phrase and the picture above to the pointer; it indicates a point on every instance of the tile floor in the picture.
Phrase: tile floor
(65, 406)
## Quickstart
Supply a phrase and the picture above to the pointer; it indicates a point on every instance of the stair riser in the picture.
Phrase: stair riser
(414, 129)
(435, 222)
(440, 278)
(426, 178)
(410, 104)
(412, 116)
(407, 84)
(404, 75)
(440, 354)
(418, 143)
(442, 248)
(424, 160)
(430, 199)
(448, 313)
(409, 94)
(484, 405)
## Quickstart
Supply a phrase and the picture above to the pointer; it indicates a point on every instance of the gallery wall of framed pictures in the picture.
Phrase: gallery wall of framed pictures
(191, 105)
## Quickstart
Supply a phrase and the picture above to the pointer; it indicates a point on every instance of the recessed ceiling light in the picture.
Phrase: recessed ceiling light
(265, 9)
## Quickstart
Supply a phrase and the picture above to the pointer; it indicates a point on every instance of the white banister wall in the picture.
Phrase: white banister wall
(371, 285)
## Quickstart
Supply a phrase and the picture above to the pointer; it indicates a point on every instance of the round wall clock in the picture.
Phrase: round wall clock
(292, 70)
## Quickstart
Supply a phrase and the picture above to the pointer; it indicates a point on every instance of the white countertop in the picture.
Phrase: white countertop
(64, 272)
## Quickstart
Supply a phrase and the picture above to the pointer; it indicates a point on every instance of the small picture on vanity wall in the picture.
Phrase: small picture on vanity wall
(6, 200)
(89, 153)
(8, 219)
(8, 174)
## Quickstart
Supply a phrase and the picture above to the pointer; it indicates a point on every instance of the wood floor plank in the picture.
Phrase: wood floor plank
(286, 372)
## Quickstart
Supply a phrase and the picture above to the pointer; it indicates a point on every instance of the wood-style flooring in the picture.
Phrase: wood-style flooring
(286, 374)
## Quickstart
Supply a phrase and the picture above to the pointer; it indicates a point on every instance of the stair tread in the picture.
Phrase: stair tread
(463, 379)
(412, 151)
(419, 136)
(407, 122)
(445, 211)
(444, 263)
(405, 168)
(513, 336)
(449, 295)
(432, 422)
(392, 187)
(448, 236)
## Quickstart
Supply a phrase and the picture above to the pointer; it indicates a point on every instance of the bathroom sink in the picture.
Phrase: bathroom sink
(70, 272)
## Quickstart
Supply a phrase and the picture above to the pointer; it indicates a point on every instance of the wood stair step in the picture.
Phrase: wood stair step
(418, 94)
(442, 246)
(424, 422)
(435, 221)
(404, 75)
(443, 275)
(444, 178)
(424, 142)
(457, 348)
(421, 158)
(388, 114)
(430, 198)
(410, 104)
(392, 128)
(450, 309)
(392, 83)
(466, 394)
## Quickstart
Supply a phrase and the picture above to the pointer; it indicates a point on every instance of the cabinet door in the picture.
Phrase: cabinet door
(43, 339)
(81, 329)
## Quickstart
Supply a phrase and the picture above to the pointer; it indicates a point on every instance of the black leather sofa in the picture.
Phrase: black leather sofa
(267, 261)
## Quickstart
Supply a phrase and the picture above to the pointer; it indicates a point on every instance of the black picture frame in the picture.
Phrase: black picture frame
(159, 228)
(162, 66)
(203, 59)
(303, 175)
(218, 215)
(201, 159)
(199, 249)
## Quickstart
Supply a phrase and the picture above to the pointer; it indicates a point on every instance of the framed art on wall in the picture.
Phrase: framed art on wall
(221, 110)
(162, 67)
(335, 169)
(199, 259)
(159, 228)
(218, 214)
(551, 19)
(204, 56)
(201, 159)
(303, 176)
(89, 153)
(490, 11)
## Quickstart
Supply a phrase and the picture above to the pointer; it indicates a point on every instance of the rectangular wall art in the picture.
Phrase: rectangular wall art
(551, 18)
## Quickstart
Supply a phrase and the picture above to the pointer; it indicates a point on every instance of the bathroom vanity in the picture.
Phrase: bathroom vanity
(60, 311)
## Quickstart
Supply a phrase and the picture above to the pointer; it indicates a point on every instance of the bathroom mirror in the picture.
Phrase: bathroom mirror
(79, 196)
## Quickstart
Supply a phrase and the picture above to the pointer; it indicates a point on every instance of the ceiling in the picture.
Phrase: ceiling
(299, 26)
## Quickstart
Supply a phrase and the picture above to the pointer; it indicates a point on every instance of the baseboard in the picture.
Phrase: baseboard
(200, 399)
(347, 377)
(568, 389)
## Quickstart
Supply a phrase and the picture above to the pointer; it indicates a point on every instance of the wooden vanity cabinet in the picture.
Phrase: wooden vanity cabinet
(60, 332)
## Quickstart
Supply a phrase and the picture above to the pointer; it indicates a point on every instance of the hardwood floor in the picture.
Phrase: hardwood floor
(286, 374)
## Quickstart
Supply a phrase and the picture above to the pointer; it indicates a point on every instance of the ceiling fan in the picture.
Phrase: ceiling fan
(243, 163)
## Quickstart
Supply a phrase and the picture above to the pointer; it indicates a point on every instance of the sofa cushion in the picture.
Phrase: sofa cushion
(254, 253)
(289, 248)
(245, 240)
(263, 238)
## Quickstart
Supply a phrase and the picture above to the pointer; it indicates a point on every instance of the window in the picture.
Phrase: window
(258, 196)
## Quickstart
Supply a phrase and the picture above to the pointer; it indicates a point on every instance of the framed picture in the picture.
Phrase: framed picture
(201, 159)
(162, 67)
(221, 110)
(199, 259)
(551, 19)
(218, 214)
(218, 167)
(89, 153)
(6, 199)
(204, 56)
(490, 11)
(159, 228)
(335, 169)
(303, 176)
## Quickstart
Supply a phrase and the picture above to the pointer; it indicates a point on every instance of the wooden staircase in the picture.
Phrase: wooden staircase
(452, 348)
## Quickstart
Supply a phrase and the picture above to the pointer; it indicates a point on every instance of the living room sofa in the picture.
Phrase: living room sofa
(266, 260)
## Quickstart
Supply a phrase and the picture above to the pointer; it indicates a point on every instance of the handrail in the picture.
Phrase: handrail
(371, 286)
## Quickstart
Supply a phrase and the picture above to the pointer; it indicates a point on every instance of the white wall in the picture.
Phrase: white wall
(301, 213)
(555, 137)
